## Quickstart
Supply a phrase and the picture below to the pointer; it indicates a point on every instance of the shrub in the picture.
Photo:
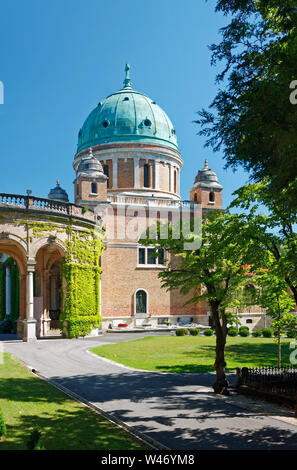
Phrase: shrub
(267, 332)
(257, 333)
(6, 326)
(232, 331)
(208, 332)
(244, 331)
(194, 331)
(181, 332)
(291, 333)
(2, 425)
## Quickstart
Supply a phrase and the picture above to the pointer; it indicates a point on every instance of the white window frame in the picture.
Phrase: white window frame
(146, 264)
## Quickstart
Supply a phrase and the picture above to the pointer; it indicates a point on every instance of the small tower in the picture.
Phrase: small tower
(90, 184)
(207, 191)
(58, 193)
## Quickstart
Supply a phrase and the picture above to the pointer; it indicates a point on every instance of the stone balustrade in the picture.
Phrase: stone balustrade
(16, 201)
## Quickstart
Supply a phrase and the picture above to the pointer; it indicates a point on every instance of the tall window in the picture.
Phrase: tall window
(211, 197)
(93, 188)
(106, 172)
(141, 302)
(146, 176)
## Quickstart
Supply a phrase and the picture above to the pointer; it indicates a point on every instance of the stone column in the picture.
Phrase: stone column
(114, 173)
(136, 172)
(8, 290)
(30, 322)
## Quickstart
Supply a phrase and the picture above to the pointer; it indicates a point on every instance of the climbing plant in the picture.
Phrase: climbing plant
(81, 271)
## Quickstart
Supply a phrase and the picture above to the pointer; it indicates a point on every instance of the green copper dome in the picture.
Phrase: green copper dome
(127, 116)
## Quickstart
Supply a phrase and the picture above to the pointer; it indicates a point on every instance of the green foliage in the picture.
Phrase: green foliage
(267, 332)
(81, 270)
(2, 425)
(181, 332)
(208, 332)
(232, 331)
(244, 331)
(194, 331)
(257, 333)
(206, 265)
(291, 333)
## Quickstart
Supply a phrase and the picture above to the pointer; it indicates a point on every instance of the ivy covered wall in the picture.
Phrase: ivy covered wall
(81, 290)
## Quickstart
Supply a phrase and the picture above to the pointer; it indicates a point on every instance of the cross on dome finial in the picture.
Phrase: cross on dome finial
(127, 81)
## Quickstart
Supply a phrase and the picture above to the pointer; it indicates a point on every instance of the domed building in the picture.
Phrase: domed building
(127, 177)
(128, 168)
(135, 142)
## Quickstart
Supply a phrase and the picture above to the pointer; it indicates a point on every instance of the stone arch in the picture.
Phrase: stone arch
(49, 256)
(47, 241)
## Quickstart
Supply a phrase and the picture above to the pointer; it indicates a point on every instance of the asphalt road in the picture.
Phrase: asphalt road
(178, 410)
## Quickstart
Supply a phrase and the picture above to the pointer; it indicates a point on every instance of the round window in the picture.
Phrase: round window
(105, 123)
(147, 122)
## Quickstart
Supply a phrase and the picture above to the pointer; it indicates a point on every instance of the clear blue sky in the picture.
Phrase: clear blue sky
(59, 58)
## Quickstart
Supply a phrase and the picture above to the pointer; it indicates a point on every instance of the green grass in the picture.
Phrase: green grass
(28, 402)
(193, 353)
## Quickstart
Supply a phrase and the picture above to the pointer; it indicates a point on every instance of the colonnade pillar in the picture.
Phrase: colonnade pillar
(30, 321)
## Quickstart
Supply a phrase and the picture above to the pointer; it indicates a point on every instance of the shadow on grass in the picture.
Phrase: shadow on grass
(63, 423)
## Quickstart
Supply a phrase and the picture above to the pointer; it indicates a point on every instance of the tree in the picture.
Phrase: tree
(212, 272)
(252, 117)
(275, 240)
(273, 295)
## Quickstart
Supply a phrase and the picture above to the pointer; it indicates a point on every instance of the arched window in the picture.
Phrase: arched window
(146, 176)
(140, 302)
(195, 197)
(93, 188)
(106, 172)
(211, 197)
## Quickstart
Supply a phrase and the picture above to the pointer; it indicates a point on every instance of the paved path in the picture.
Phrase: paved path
(178, 410)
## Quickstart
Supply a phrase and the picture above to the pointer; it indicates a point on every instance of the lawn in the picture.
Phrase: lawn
(28, 402)
(193, 353)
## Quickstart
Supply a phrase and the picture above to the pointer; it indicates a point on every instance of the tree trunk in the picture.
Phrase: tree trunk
(221, 384)
(279, 358)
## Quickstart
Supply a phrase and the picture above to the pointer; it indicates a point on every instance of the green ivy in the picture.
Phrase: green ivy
(80, 303)
(80, 268)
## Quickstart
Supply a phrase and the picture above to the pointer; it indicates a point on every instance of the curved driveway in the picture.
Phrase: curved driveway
(178, 410)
